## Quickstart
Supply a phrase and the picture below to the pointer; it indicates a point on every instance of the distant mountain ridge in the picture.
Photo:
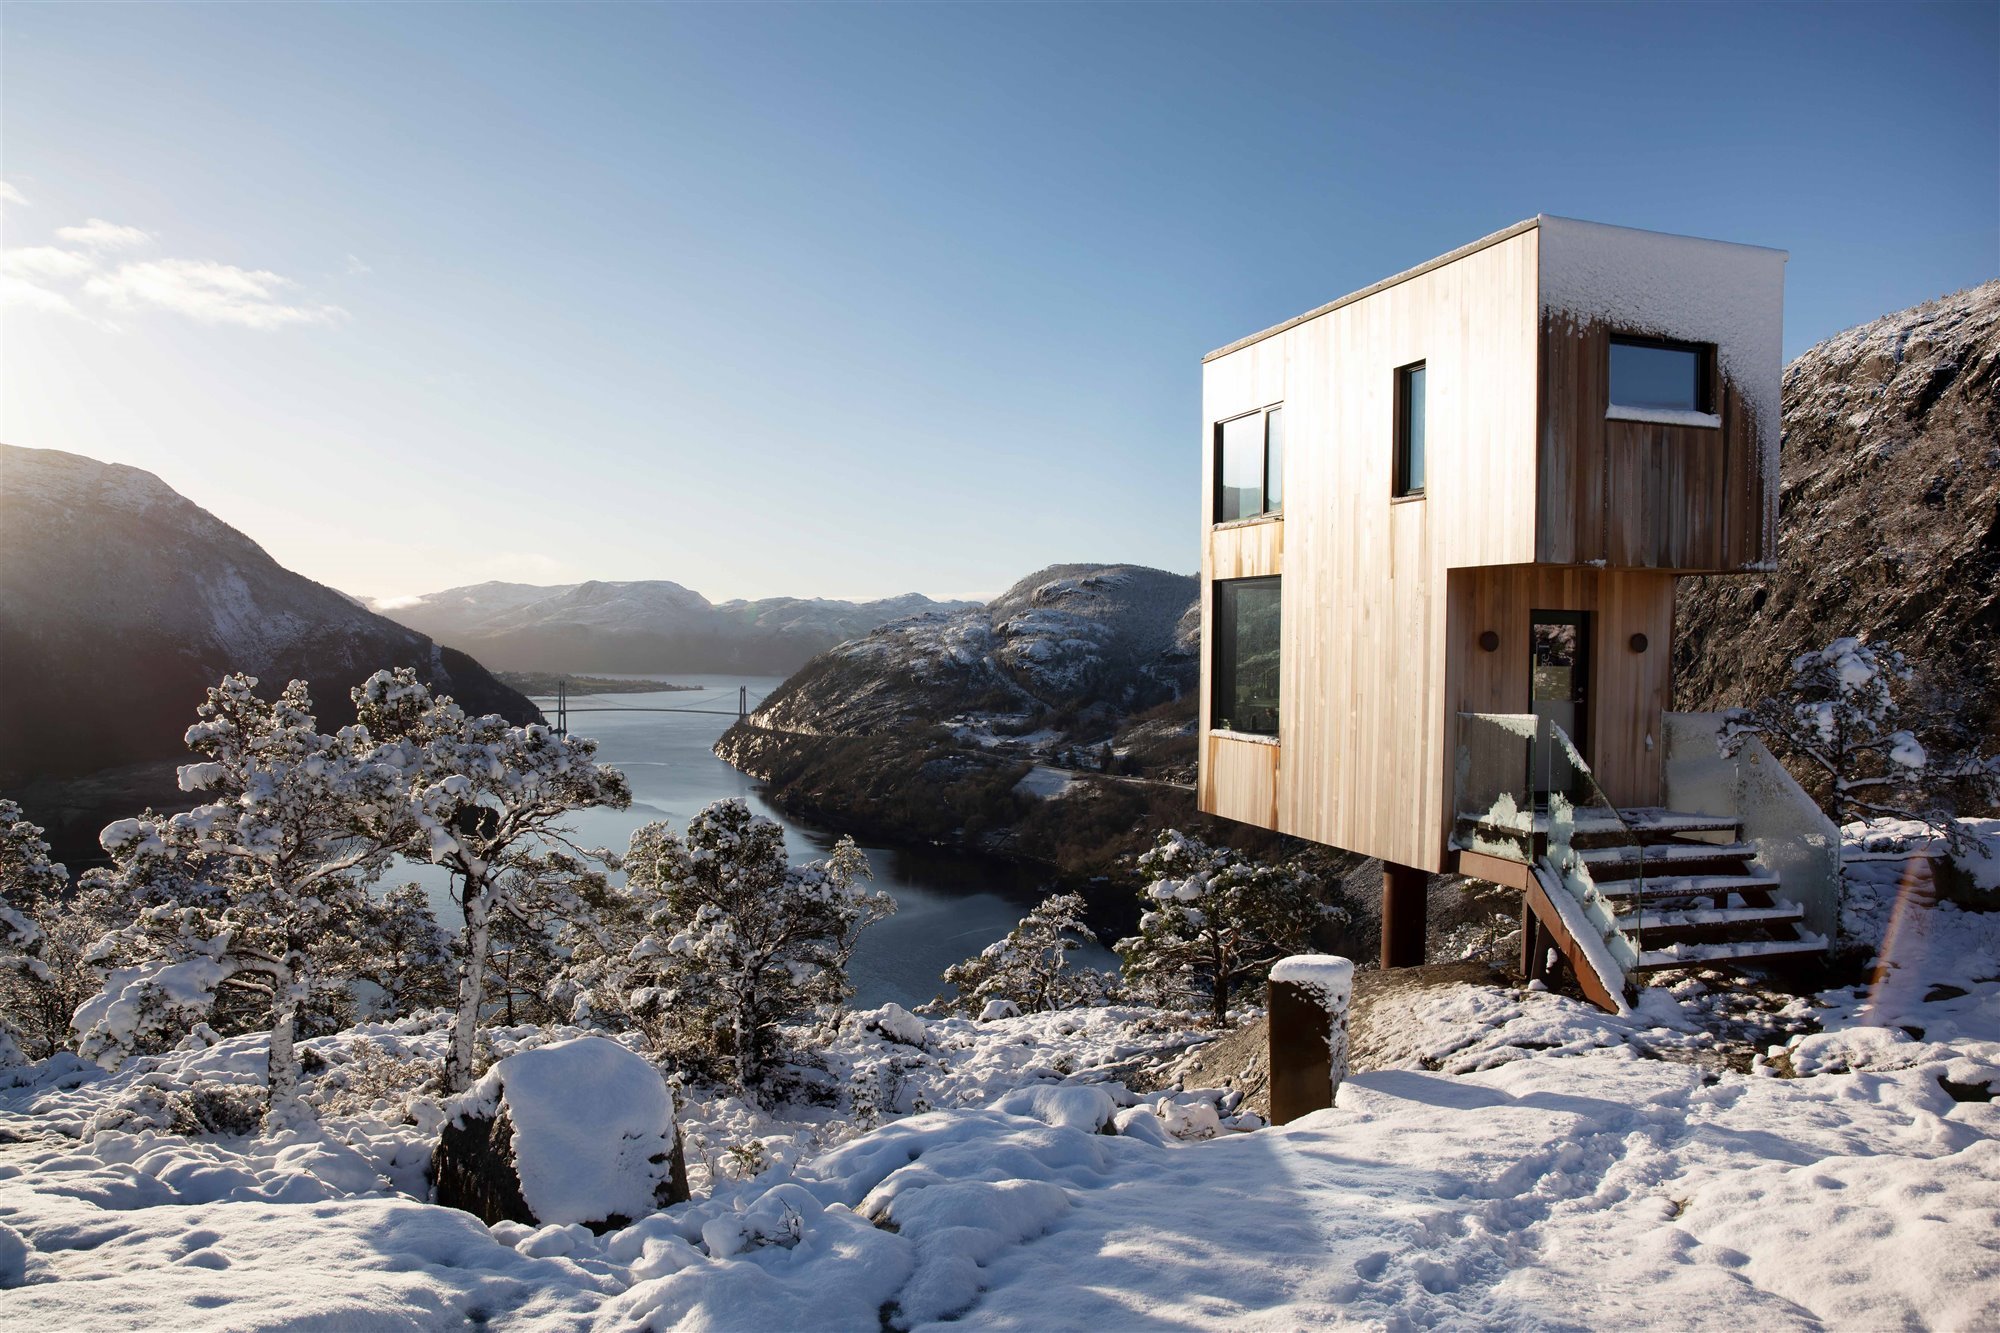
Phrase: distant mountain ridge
(1120, 638)
(643, 625)
(121, 601)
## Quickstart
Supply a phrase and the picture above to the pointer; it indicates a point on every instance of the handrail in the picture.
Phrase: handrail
(1525, 794)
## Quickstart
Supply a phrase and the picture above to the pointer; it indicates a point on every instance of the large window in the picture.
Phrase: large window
(1245, 669)
(1250, 465)
(1653, 375)
(1410, 430)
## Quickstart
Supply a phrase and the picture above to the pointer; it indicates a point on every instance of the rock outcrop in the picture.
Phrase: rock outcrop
(1889, 513)
(578, 1133)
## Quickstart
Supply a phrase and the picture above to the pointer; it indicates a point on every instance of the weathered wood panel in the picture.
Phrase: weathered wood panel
(1642, 495)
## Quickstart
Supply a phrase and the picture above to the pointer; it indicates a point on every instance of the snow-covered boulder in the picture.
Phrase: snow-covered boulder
(894, 1022)
(581, 1132)
(1065, 1105)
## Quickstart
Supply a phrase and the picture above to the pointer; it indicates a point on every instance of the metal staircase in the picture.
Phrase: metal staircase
(1618, 893)
(1678, 899)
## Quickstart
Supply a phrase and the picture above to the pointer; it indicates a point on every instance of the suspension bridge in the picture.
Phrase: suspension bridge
(745, 701)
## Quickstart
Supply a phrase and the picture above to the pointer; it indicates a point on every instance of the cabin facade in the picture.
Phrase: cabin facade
(1461, 496)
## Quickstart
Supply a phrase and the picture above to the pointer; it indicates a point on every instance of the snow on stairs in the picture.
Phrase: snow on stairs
(1680, 899)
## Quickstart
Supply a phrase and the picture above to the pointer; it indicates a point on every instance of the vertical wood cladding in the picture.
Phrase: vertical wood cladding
(1628, 689)
(1640, 494)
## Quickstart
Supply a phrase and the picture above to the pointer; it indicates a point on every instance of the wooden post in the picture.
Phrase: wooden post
(1534, 943)
(1306, 998)
(1404, 914)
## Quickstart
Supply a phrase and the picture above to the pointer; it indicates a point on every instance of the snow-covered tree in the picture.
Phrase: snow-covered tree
(247, 895)
(405, 954)
(1030, 968)
(1854, 719)
(46, 931)
(487, 800)
(1214, 920)
(735, 938)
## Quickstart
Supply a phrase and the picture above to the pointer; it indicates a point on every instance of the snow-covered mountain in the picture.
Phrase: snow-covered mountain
(1068, 637)
(121, 601)
(645, 625)
(1889, 512)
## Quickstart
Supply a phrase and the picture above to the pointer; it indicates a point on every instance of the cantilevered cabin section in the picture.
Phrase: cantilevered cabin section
(1465, 492)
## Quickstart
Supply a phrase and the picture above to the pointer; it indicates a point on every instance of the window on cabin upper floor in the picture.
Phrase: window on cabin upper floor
(1410, 414)
(1656, 376)
(1243, 671)
(1250, 465)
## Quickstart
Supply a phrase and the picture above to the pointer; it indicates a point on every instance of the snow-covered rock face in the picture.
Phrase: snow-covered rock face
(1068, 634)
(1890, 517)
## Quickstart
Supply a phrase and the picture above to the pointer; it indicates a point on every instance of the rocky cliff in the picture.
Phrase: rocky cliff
(1889, 513)
(121, 602)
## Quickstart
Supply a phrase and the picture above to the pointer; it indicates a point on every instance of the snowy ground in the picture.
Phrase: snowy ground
(1529, 1162)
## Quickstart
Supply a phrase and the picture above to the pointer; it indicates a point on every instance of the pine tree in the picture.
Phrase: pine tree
(405, 954)
(487, 800)
(248, 894)
(1030, 968)
(737, 939)
(1214, 920)
(46, 931)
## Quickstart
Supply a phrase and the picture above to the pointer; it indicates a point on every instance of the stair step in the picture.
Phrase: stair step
(1659, 819)
(1706, 917)
(1687, 886)
(1667, 853)
(1739, 951)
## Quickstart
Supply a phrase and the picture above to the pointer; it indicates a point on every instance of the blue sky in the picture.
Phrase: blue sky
(848, 300)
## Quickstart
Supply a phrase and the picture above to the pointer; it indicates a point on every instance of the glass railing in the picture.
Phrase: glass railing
(1524, 793)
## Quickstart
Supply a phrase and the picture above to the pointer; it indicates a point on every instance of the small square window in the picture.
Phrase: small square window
(1410, 430)
(1654, 375)
(1250, 465)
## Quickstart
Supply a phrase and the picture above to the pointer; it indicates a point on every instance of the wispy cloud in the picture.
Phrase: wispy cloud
(20, 294)
(97, 234)
(11, 197)
(87, 278)
(356, 267)
(44, 263)
(209, 292)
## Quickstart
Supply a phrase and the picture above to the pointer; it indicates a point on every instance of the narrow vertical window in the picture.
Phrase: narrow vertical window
(1410, 430)
(1244, 670)
(1250, 465)
(1274, 460)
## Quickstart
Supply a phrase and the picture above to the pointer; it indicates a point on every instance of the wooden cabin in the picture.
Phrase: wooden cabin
(1468, 490)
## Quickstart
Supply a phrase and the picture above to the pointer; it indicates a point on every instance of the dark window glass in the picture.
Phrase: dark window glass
(1274, 459)
(1410, 430)
(1249, 466)
(1246, 656)
(1659, 375)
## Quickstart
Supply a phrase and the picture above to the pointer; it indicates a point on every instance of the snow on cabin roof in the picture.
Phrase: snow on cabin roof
(1472, 248)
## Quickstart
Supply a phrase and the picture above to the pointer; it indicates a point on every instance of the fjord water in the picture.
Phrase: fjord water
(948, 906)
